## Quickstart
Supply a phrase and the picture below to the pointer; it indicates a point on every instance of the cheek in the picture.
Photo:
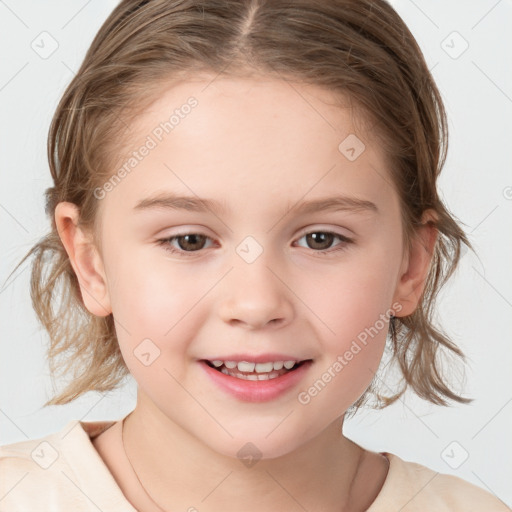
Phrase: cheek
(158, 305)
(351, 352)
(351, 296)
(352, 307)
(150, 293)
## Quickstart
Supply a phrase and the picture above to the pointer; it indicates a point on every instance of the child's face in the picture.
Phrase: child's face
(257, 285)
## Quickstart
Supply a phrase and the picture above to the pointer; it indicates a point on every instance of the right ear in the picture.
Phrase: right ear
(85, 259)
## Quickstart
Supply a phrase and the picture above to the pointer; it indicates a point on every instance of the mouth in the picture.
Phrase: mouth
(246, 370)
(266, 377)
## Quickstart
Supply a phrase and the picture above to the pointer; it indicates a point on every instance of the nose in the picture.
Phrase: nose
(255, 295)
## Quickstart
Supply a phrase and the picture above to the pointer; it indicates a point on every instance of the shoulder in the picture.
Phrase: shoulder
(31, 470)
(412, 487)
(59, 472)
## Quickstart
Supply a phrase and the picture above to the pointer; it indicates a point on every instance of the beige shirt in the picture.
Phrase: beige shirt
(63, 472)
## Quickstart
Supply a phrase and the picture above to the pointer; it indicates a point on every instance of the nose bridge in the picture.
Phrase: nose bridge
(254, 292)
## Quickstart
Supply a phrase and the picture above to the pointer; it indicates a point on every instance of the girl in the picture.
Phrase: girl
(244, 211)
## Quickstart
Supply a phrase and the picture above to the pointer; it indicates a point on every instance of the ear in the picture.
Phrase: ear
(85, 259)
(416, 264)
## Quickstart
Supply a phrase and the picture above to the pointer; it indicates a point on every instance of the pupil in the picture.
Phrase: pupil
(320, 238)
(189, 242)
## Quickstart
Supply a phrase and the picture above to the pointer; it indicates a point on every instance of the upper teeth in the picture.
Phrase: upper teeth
(245, 366)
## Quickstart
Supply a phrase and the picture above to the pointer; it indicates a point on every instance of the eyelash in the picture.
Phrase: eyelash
(165, 242)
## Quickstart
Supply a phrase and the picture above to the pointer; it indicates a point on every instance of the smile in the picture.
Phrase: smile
(256, 382)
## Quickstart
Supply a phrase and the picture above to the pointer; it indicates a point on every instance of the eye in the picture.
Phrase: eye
(187, 242)
(319, 241)
(322, 240)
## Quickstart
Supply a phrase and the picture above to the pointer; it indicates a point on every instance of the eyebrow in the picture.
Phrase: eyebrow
(169, 201)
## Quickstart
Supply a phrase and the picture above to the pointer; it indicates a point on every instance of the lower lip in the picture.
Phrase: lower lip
(257, 390)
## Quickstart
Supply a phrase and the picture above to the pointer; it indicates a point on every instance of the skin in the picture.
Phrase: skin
(260, 146)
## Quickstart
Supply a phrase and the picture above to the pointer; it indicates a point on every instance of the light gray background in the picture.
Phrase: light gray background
(475, 308)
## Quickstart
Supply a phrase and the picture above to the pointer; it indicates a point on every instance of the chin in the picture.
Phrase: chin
(256, 446)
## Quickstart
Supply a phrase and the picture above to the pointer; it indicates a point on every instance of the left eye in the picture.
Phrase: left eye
(323, 238)
(194, 242)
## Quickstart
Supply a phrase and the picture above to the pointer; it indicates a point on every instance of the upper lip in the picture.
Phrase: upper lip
(258, 358)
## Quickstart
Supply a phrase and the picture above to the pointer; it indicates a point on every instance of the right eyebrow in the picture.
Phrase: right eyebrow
(169, 201)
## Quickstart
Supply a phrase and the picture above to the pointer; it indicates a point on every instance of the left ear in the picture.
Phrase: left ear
(416, 265)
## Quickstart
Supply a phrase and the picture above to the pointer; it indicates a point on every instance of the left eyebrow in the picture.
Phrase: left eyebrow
(196, 204)
(336, 203)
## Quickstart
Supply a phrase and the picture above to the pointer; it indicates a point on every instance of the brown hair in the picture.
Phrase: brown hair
(360, 49)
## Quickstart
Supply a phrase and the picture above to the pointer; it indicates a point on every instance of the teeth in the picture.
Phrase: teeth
(253, 371)
(263, 367)
(245, 366)
(243, 376)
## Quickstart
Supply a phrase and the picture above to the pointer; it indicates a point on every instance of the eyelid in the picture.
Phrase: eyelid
(314, 228)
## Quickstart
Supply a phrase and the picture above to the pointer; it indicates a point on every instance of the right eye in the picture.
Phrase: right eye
(186, 242)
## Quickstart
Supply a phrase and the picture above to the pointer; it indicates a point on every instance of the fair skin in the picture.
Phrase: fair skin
(260, 147)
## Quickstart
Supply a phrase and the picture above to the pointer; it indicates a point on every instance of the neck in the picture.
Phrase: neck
(178, 472)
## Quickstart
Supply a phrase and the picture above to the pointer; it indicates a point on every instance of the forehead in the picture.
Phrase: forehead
(268, 140)
(232, 103)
